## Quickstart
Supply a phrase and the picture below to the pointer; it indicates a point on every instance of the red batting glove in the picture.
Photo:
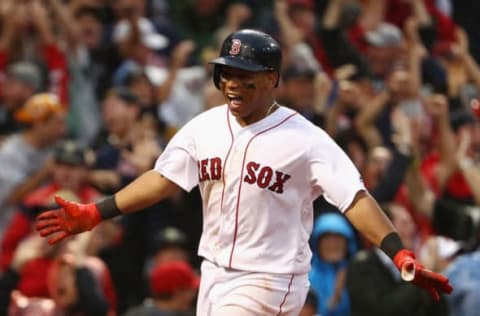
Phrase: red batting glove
(71, 218)
(413, 271)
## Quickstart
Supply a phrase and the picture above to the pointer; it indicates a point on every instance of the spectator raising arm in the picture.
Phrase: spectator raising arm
(365, 120)
(461, 49)
(179, 58)
(337, 47)
(64, 18)
(437, 106)
(468, 166)
(291, 35)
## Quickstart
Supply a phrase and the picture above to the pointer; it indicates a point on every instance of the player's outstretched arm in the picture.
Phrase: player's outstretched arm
(370, 220)
(73, 218)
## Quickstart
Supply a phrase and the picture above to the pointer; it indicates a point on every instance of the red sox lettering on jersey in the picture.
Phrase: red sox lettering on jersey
(258, 184)
(210, 169)
(263, 176)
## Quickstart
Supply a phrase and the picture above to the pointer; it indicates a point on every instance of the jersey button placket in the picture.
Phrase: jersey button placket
(232, 181)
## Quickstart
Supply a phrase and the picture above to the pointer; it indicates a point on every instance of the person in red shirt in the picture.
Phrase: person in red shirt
(68, 178)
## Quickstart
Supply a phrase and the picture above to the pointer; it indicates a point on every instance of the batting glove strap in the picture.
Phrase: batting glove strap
(108, 208)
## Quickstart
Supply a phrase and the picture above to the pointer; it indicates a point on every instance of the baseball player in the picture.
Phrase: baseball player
(259, 167)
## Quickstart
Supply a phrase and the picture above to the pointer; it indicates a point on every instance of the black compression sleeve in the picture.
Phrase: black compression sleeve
(391, 244)
(108, 208)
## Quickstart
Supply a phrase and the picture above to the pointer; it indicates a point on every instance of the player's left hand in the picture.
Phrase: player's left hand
(411, 270)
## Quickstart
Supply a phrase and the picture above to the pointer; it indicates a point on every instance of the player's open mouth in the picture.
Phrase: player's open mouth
(234, 99)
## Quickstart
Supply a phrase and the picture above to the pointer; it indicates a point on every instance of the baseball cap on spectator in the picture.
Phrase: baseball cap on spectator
(149, 36)
(170, 237)
(461, 117)
(297, 71)
(447, 247)
(133, 74)
(27, 73)
(167, 278)
(39, 108)
(125, 94)
(385, 35)
(70, 153)
(302, 63)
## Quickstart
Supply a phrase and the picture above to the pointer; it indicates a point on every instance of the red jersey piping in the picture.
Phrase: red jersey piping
(241, 181)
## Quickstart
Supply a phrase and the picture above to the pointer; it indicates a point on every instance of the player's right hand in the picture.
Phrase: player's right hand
(71, 218)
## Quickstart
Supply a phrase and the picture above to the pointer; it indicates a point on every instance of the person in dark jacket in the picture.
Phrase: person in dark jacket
(386, 294)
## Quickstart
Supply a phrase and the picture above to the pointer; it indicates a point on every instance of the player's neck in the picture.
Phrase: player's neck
(259, 115)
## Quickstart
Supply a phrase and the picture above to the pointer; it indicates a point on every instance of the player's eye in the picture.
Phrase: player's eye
(225, 77)
(240, 76)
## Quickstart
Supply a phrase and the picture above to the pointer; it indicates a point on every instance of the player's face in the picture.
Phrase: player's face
(248, 94)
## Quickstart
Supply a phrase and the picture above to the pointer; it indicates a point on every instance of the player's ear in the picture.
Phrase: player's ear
(272, 77)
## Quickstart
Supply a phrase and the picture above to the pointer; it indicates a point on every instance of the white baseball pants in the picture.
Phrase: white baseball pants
(240, 293)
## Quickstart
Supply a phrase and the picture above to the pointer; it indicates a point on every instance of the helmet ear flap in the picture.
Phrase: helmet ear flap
(216, 75)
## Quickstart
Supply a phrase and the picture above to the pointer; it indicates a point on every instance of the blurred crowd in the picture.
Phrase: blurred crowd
(92, 90)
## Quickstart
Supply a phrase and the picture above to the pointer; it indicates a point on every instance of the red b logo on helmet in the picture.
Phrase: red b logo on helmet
(236, 45)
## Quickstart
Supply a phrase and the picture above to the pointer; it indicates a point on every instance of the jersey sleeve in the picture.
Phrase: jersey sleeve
(177, 162)
(333, 173)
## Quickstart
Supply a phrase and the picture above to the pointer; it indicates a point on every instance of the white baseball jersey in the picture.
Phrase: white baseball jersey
(258, 184)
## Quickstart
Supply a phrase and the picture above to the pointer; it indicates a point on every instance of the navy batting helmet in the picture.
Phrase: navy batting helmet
(249, 50)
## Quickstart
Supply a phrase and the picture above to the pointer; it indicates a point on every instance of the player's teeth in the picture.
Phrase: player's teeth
(235, 98)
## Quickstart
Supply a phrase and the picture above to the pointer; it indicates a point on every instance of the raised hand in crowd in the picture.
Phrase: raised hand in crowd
(415, 53)
(290, 33)
(461, 50)
(41, 21)
(237, 14)
(15, 22)
(467, 163)
(336, 112)
(438, 108)
(461, 47)
(179, 57)
(145, 148)
(322, 86)
(349, 99)
(402, 136)
(180, 54)
(457, 73)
